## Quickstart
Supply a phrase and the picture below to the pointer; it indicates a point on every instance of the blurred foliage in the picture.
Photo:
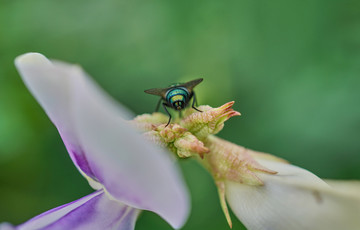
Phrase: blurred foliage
(293, 68)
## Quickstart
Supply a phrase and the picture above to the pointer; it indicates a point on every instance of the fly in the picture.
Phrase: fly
(176, 96)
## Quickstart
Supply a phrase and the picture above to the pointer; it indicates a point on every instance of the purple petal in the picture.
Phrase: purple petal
(95, 211)
(50, 85)
(121, 158)
(102, 144)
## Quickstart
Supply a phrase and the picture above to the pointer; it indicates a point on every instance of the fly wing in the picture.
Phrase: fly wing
(157, 91)
(191, 84)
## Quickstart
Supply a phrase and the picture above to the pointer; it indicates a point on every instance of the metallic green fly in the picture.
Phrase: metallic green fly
(176, 96)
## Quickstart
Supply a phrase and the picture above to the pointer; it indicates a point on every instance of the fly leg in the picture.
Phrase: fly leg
(158, 105)
(193, 103)
(165, 105)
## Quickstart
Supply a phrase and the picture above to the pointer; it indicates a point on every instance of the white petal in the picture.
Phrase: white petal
(293, 199)
(6, 226)
(101, 144)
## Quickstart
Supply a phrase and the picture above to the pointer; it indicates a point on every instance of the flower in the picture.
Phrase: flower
(131, 174)
(128, 173)
(264, 191)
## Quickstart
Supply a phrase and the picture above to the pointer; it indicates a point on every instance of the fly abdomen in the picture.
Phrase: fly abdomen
(177, 98)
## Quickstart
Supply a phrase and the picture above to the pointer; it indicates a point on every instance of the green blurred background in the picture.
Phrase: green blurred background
(293, 68)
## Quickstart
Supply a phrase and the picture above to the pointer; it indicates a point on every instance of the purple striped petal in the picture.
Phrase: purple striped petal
(102, 144)
(93, 212)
